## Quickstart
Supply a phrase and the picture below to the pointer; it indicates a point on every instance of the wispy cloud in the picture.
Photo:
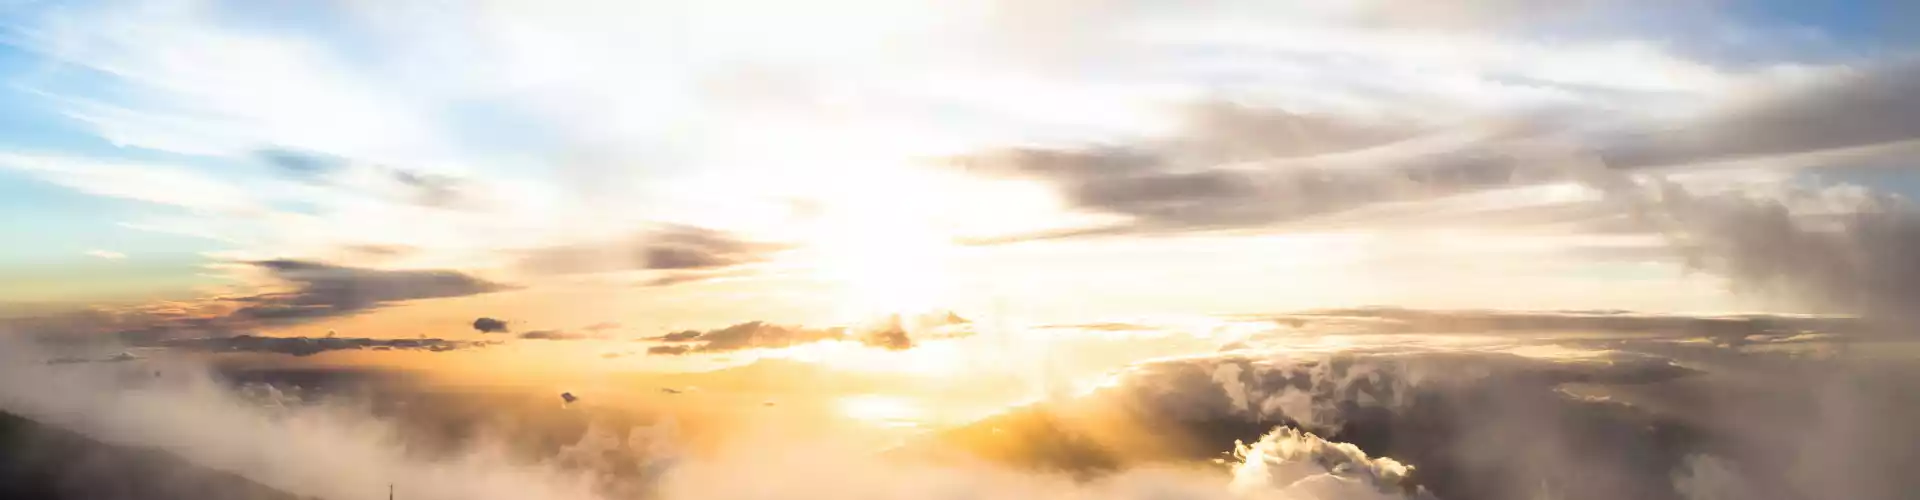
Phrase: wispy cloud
(304, 346)
(291, 292)
(549, 144)
(106, 254)
(157, 184)
(667, 248)
(897, 332)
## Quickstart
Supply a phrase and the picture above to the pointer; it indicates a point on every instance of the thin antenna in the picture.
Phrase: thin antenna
(389, 491)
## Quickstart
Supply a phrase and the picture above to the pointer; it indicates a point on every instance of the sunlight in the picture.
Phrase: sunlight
(886, 411)
(885, 257)
(929, 359)
(883, 271)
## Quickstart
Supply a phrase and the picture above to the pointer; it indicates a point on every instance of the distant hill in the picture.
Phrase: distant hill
(42, 462)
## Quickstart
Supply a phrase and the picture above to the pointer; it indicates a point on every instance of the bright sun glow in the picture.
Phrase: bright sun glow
(886, 257)
(881, 410)
(928, 359)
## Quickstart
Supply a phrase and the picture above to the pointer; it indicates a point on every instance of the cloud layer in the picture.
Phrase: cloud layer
(669, 248)
(306, 346)
(323, 290)
(896, 332)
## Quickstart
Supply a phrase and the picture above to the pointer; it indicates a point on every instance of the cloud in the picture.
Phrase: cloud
(156, 184)
(896, 332)
(674, 278)
(490, 325)
(1482, 14)
(1872, 106)
(409, 186)
(1601, 414)
(326, 290)
(107, 254)
(1834, 248)
(680, 336)
(1463, 422)
(670, 350)
(1302, 464)
(1237, 166)
(303, 165)
(1457, 420)
(557, 335)
(301, 291)
(1242, 166)
(431, 190)
(1839, 249)
(332, 447)
(891, 337)
(300, 95)
(324, 450)
(308, 346)
(1496, 322)
(602, 326)
(757, 334)
(689, 251)
(380, 251)
(117, 358)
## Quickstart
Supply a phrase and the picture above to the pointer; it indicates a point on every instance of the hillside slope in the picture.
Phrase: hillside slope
(42, 462)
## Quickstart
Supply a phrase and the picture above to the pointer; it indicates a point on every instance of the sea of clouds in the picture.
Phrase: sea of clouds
(1635, 412)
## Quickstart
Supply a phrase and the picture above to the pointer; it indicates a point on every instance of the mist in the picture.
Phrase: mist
(1233, 249)
(336, 448)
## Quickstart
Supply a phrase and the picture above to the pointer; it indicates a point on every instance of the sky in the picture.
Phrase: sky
(1628, 240)
(393, 169)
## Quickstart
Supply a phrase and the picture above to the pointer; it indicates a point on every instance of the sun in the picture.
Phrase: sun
(881, 410)
(943, 359)
(882, 258)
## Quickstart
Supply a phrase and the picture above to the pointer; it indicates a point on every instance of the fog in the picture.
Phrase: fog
(338, 449)
(1320, 412)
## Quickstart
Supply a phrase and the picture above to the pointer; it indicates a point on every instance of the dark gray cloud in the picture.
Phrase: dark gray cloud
(689, 252)
(490, 325)
(307, 346)
(328, 290)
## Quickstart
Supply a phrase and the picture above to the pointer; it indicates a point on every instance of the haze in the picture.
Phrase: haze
(1483, 249)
